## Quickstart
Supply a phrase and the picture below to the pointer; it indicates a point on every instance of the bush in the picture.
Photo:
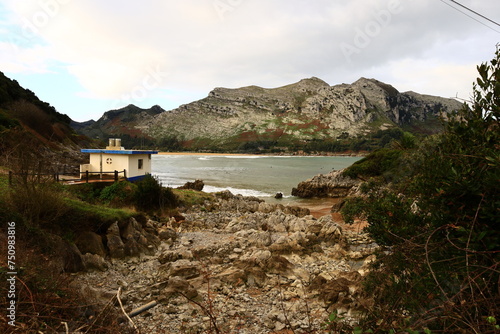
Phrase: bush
(374, 164)
(118, 194)
(39, 204)
(87, 192)
(150, 196)
(188, 197)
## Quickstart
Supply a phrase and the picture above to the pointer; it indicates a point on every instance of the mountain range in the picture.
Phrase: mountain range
(309, 115)
(306, 114)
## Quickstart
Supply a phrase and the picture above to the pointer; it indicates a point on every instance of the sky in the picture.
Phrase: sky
(88, 57)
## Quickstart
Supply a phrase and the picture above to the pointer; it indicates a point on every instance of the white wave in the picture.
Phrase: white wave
(176, 182)
(245, 156)
(236, 191)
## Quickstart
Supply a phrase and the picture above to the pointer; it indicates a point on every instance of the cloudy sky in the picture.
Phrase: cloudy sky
(87, 57)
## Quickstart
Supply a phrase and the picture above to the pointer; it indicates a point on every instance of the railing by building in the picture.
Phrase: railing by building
(84, 177)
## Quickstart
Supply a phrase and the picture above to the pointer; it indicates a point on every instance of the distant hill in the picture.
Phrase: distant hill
(121, 123)
(308, 115)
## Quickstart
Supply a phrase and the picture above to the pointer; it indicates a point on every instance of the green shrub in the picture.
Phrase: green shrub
(38, 204)
(408, 141)
(150, 196)
(118, 194)
(374, 164)
(188, 197)
(88, 192)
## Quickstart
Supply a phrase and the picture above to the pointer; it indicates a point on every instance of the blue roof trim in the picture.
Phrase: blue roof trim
(136, 178)
(91, 150)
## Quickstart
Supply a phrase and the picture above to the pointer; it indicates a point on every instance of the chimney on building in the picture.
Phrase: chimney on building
(115, 144)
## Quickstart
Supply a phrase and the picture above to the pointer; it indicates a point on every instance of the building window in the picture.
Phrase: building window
(141, 163)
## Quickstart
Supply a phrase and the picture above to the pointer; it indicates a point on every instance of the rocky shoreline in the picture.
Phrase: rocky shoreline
(235, 264)
(330, 185)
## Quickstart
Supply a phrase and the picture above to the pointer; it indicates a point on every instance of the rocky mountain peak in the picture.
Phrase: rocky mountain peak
(312, 82)
(290, 115)
(375, 85)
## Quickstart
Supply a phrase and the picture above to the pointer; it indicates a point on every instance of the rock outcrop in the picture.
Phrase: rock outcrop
(196, 185)
(90, 242)
(122, 240)
(333, 184)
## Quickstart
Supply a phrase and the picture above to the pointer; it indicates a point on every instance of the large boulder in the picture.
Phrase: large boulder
(166, 233)
(114, 242)
(137, 241)
(172, 256)
(182, 268)
(67, 256)
(90, 242)
(196, 185)
(178, 286)
(94, 262)
(251, 276)
(254, 238)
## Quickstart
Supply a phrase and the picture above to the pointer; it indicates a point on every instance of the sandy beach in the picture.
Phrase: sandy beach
(206, 153)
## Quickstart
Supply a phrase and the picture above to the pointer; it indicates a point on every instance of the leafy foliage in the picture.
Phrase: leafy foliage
(189, 197)
(375, 164)
(439, 268)
(118, 194)
(151, 196)
(7, 121)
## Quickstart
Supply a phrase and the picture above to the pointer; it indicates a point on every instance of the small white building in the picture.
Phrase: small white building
(134, 163)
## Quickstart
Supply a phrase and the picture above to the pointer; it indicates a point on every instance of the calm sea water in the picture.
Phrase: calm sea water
(249, 175)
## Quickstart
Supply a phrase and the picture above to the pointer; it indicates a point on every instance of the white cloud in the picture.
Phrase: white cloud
(16, 59)
(433, 77)
(111, 46)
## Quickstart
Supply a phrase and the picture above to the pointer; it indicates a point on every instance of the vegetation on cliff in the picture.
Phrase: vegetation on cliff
(439, 223)
(22, 111)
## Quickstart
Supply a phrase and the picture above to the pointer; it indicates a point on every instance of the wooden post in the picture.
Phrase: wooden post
(87, 176)
(125, 174)
(116, 176)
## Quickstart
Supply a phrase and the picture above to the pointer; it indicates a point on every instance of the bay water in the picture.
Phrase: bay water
(249, 175)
